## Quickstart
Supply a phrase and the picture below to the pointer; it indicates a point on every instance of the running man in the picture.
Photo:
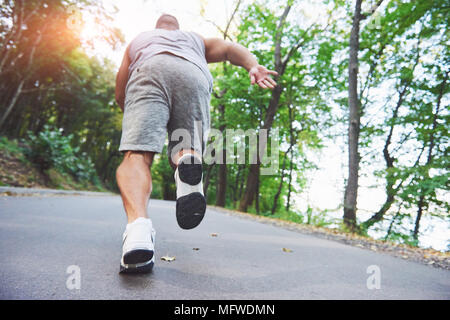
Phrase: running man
(164, 86)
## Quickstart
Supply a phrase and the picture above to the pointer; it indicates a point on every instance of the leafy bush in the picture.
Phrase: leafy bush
(51, 149)
(9, 147)
(318, 219)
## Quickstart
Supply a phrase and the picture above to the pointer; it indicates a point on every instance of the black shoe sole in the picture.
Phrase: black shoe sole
(137, 256)
(190, 170)
(191, 207)
(137, 261)
(191, 210)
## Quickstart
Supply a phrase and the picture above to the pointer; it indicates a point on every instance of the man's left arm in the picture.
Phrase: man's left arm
(218, 50)
(122, 79)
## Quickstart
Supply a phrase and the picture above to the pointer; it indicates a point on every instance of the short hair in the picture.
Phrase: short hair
(167, 20)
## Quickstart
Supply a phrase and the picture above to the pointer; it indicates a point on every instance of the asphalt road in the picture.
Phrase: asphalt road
(42, 236)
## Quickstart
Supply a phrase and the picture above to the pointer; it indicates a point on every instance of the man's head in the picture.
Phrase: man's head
(168, 22)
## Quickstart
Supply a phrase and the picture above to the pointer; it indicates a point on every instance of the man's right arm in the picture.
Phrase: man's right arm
(218, 50)
(122, 79)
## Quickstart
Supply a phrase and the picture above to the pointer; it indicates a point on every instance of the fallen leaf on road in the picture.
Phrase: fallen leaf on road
(287, 250)
(167, 258)
(195, 249)
(214, 234)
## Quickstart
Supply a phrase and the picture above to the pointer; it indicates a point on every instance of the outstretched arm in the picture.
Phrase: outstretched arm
(122, 79)
(218, 50)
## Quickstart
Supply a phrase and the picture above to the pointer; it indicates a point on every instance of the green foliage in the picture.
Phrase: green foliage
(302, 115)
(9, 147)
(286, 215)
(319, 218)
(62, 85)
(51, 149)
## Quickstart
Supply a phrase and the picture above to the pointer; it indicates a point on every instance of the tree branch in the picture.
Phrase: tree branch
(278, 36)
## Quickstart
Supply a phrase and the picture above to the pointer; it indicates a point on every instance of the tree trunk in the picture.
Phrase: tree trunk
(280, 186)
(12, 102)
(351, 190)
(288, 201)
(292, 139)
(241, 184)
(221, 186)
(207, 180)
(18, 90)
(391, 225)
(222, 174)
(390, 191)
(236, 186)
(253, 174)
(257, 194)
(420, 208)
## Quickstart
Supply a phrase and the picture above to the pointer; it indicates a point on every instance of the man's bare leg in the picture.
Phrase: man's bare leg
(135, 183)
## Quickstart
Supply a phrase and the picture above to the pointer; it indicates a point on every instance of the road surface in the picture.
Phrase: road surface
(69, 247)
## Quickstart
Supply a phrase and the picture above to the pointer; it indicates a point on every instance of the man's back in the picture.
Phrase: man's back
(187, 45)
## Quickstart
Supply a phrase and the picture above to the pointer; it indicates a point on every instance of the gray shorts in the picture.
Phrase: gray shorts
(166, 94)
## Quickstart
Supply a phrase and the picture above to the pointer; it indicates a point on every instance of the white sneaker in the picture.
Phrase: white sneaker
(191, 203)
(138, 246)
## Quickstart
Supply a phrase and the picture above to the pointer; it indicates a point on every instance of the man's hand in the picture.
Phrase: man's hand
(261, 76)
